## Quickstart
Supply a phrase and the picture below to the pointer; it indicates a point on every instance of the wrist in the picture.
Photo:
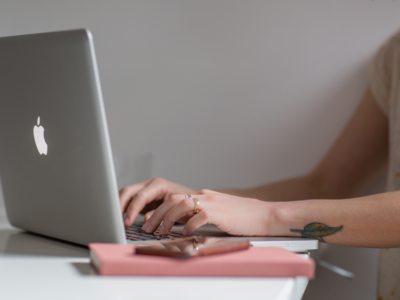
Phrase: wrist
(282, 217)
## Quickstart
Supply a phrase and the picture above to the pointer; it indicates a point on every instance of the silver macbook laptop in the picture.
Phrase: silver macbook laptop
(56, 166)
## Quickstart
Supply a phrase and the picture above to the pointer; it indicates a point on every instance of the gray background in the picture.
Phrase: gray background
(227, 93)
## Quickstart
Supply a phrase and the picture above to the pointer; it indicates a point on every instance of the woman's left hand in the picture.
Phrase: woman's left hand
(234, 215)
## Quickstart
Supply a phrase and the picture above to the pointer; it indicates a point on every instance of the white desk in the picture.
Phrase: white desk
(34, 267)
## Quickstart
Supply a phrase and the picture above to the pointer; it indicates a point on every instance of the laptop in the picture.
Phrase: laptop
(56, 166)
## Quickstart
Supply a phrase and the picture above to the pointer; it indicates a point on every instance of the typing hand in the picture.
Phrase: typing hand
(146, 196)
(232, 214)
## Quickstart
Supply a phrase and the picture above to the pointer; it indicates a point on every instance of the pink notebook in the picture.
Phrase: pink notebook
(114, 259)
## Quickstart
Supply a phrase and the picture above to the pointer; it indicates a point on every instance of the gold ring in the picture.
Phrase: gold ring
(196, 209)
(196, 244)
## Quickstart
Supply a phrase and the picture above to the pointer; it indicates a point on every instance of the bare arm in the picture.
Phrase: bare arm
(360, 152)
(370, 221)
(357, 156)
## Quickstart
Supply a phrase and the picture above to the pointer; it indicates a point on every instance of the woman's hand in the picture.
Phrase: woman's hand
(234, 215)
(142, 197)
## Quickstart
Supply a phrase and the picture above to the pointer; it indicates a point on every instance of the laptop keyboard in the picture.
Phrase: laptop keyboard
(135, 233)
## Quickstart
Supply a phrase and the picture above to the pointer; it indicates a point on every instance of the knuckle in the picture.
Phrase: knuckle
(124, 191)
(174, 199)
(141, 195)
(205, 191)
(159, 181)
(205, 215)
(212, 197)
(187, 203)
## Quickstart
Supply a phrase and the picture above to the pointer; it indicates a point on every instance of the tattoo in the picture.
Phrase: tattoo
(317, 231)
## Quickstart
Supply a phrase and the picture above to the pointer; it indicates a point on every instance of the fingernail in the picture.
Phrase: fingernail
(184, 232)
(146, 226)
(162, 229)
(126, 220)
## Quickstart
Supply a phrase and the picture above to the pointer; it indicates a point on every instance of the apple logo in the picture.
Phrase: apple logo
(38, 134)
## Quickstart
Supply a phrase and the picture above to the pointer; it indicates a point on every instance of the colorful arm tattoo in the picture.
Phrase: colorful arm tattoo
(317, 231)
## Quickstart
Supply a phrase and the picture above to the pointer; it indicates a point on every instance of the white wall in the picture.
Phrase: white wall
(223, 93)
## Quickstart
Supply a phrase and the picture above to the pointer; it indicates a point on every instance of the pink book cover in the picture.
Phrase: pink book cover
(115, 259)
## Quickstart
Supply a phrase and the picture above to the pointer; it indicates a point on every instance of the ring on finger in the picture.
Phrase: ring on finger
(196, 209)
(196, 244)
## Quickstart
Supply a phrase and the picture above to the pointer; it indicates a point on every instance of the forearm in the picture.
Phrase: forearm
(357, 156)
(299, 188)
(371, 221)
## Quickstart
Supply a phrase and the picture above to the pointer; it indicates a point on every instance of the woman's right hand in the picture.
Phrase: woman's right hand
(146, 196)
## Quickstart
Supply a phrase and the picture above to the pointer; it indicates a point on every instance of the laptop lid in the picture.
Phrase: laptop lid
(56, 165)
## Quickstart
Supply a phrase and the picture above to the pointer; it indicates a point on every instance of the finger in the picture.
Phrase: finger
(188, 215)
(197, 221)
(158, 215)
(185, 218)
(177, 212)
(154, 190)
(148, 215)
(143, 183)
(126, 193)
(181, 220)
